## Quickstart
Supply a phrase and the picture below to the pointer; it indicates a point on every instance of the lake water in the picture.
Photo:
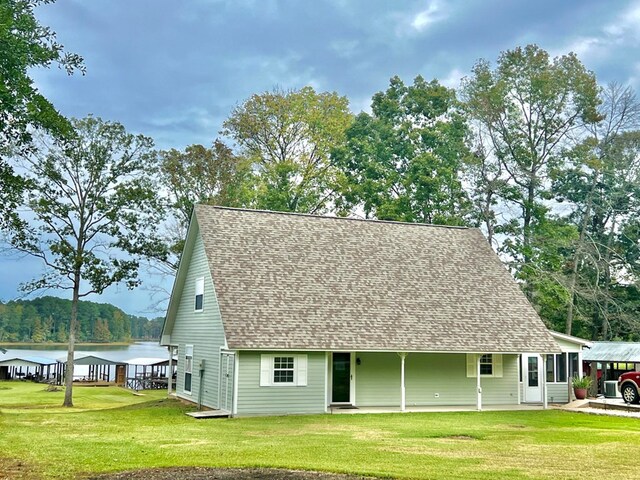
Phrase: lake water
(120, 353)
(116, 353)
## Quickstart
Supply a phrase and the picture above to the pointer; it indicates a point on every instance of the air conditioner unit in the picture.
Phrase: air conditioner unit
(611, 389)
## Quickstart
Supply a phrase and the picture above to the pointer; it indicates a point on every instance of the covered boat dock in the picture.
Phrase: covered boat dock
(28, 368)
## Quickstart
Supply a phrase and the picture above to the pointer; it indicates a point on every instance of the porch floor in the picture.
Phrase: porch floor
(433, 408)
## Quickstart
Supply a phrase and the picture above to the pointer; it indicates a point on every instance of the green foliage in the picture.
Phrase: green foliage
(91, 198)
(528, 106)
(578, 382)
(288, 136)
(212, 176)
(404, 161)
(46, 319)
(25, 44)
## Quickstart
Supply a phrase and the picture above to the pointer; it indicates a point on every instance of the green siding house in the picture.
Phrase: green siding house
(276, 313)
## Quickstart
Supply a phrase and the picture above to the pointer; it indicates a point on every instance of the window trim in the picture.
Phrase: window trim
(188, 368)
(496, 365)
(199, 292)
(554, 367)
(267, 370)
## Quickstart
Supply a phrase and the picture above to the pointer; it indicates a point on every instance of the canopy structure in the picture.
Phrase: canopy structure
(13, 368)
(623, 352)
(146, 373)
(99, 368)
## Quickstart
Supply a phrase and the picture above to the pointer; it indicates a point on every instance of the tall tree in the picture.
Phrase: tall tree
(201, 175)
(404, 161)
(288, 136)
(24, 45)
(529, 106)
(92, 212)
(600, 175)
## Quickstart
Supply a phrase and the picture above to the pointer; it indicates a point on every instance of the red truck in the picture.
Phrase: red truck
(629, 386)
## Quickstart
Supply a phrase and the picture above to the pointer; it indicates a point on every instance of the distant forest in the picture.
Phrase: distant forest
(46, 319)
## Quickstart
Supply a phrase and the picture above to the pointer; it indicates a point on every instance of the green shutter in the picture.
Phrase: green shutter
(472, 365)
(497, 365)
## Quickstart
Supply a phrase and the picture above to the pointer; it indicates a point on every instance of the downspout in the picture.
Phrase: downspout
(201, 384)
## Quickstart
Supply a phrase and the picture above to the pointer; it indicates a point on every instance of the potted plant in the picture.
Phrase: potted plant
(581, 386)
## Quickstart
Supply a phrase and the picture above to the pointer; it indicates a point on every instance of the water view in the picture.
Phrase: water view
(116, 353)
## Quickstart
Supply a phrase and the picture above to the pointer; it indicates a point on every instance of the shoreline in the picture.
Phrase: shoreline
(78, 344)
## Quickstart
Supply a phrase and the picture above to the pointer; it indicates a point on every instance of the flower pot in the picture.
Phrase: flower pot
(580, 393)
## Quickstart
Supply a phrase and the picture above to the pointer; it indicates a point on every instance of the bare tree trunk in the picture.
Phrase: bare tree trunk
(576, 260)
(607, 281)
(68, 392)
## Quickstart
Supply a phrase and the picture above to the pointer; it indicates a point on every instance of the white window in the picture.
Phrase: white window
(281, 370)
(490, 365)
(556, 368)
(188, 367)
(199, 294)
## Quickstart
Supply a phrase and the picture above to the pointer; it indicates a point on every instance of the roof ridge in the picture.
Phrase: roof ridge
(298, 214)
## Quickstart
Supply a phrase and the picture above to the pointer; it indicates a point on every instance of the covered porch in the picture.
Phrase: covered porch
(338, 410)
(421, 381)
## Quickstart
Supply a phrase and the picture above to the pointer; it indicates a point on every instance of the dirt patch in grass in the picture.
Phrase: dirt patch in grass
(459, 437)
(13, 469)
(202, 473)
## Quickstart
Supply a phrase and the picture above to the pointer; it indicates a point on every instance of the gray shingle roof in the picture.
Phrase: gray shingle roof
(286, 281)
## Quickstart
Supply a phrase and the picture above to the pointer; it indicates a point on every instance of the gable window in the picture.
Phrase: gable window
(199, 294)
(188, 368)
(490, 365)
(277, 370)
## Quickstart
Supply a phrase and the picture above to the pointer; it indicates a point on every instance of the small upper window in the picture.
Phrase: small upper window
(199, 294)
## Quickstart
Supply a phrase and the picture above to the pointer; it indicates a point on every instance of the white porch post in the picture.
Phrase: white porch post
(543, 378)
(403, 404)
(170, 371)
(520, 377)
(478, 382)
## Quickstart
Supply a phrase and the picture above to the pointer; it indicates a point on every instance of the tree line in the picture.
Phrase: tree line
(46, 319)
(531, 149)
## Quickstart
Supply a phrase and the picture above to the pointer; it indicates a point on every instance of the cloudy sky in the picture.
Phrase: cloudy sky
(174, 70)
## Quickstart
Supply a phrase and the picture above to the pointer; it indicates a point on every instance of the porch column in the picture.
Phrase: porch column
(478, 382)
(519, 377)
(403, 405)
(170, 371)
(543, 378)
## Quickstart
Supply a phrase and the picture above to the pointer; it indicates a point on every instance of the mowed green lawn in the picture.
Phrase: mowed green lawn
(110, 429)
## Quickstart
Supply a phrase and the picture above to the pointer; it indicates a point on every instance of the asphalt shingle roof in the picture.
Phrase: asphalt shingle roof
(287, 281)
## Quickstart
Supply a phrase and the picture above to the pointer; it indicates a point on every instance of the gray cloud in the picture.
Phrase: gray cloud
(174, 70)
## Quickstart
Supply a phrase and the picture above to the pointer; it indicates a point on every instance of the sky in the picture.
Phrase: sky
(175, 70)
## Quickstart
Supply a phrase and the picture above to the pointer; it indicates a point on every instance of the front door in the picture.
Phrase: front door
(531, 375)
(341, 378)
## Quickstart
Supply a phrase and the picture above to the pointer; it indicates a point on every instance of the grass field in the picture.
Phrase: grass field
(110, 429)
